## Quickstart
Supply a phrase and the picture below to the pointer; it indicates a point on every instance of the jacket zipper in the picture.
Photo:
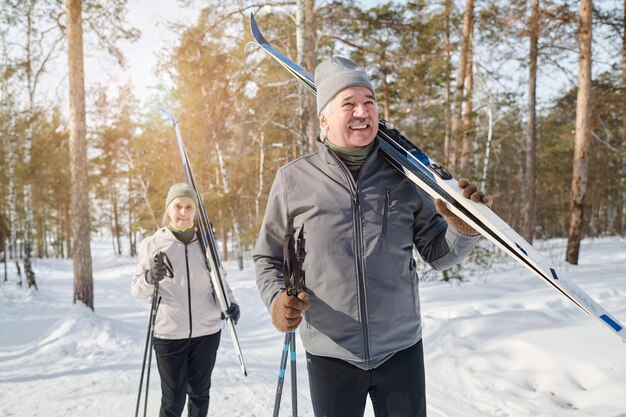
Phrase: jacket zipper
(360, 270)
(188, 290)
(359, 261)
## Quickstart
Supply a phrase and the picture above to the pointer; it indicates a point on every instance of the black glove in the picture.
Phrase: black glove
(232, 312)
(156, 273)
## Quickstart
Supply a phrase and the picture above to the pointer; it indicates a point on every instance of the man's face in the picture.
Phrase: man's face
(350, 119)
(182, 212)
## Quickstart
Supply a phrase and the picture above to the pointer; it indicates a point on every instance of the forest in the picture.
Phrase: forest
(527, 98)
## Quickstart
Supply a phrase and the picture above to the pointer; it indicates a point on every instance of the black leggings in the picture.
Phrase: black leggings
(397, 387)
(185, 367)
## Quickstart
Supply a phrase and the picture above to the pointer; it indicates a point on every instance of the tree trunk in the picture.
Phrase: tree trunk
(310, 61)
(581, 143)
(460, 83)
(301, 111)
(622, 204)
(28, 142)
(446, 93)
(223, 233)
(384, 100)
(307, 58)
(529, 205)
(303, 94)
(11, 165)
(116, 221)
(4, 262)
(237, 245)
(28, 210)
(81, 223)
(468, 112)
(261, 186)
(483, 177)
(132, 237)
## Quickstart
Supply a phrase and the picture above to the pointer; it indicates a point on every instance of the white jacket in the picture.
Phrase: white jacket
(188, 306)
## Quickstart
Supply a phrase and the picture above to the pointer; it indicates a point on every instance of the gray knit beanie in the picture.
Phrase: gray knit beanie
(336, 74)
(181, 190)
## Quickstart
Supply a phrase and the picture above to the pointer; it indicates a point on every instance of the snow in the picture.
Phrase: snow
(501, 343)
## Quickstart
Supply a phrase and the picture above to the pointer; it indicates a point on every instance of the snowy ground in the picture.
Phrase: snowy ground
(500, 344)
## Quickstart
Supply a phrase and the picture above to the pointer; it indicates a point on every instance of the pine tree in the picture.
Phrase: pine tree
(81, 222)
(581, 149)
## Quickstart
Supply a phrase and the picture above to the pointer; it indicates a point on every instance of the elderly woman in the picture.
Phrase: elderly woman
(188, 320)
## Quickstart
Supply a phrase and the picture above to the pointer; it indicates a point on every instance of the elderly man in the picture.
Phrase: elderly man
(362, 330)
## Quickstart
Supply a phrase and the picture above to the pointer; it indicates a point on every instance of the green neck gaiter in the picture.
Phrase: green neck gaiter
(352, 157)
(184, 236)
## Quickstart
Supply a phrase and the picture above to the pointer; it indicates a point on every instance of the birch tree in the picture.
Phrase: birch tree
(307, 58)
(34, 23)
(581, 148)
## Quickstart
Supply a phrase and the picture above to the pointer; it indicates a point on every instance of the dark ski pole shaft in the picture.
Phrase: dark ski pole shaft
(293, 275)
(294, 376)
(209, 245)
(147, 352)
(281, 372)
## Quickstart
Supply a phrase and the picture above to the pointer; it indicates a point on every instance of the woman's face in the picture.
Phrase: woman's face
(182, 212)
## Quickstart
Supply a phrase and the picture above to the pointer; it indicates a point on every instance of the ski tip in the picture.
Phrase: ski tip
(169, 115)
(254, 28)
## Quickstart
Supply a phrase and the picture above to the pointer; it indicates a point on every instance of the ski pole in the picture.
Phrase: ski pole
(294, 380)
(148, 345)
(154, 311)
(156, 300)
(143, 365)
(281, 372)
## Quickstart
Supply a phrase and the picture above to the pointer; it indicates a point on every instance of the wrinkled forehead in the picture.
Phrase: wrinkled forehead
(354, 93)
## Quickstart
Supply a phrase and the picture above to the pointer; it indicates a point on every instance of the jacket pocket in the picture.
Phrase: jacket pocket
(386, 205)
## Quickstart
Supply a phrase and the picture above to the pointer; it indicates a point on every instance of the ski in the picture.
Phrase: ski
(209, 246)
(434, 179)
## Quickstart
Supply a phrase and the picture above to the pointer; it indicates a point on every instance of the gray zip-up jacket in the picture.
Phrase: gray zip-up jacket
(188, 307)
(359, 266)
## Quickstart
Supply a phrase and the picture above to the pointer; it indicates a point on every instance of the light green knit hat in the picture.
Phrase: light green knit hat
(181, 190)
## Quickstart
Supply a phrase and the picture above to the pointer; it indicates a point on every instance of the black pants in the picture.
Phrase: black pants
(185, 367)
(397, 387)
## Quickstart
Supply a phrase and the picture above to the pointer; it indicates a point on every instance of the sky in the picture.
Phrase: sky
(500, 344)
(151, 18)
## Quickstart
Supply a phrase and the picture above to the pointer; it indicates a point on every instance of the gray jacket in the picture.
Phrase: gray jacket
(359, 266)
(188, 306)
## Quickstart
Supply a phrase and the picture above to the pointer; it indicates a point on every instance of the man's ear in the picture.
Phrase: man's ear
(323, 122)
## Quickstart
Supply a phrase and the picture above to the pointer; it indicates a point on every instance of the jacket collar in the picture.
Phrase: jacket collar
(166, 233)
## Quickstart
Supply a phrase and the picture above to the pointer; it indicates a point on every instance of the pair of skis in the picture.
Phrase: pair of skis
(209, 245)
(439, 183)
